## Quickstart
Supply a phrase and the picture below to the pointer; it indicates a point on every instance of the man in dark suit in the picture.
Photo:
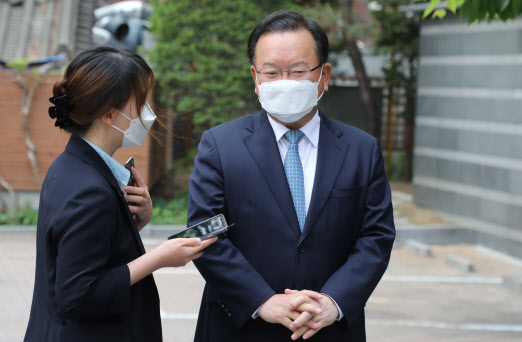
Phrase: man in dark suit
(309, 198)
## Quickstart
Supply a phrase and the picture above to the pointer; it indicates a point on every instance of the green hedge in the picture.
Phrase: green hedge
(164, 212)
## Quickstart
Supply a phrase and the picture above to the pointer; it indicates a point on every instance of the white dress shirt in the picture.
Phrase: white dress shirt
(308, 147)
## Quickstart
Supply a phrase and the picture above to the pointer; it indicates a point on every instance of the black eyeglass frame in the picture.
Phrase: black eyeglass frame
(288, 71)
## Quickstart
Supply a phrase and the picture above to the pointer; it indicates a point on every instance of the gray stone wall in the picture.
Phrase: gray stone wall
(468, 148)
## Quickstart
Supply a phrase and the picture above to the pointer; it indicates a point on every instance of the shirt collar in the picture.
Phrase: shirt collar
(121, 174)
(310, 130)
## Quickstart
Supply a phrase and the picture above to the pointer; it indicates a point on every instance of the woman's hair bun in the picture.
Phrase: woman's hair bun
(59, 111)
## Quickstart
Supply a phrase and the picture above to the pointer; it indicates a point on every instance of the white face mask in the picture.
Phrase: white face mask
(288, 100)
(137, 131)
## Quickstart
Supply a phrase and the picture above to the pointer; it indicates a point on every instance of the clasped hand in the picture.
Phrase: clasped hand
(303, 312)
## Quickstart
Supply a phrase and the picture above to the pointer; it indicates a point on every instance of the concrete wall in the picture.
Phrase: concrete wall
(468, 149)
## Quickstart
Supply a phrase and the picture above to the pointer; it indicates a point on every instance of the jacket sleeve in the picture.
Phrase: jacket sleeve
(353, 283)
(86, 287)
(239, 287)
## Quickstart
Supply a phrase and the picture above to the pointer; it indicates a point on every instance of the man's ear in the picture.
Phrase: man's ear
(327, 72)
(109, 117)
(254, 76)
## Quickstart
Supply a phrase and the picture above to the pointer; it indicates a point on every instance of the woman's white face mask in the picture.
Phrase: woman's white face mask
(289, 100)
(139, 127)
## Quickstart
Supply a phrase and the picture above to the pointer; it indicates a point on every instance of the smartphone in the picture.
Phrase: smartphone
(128, 165)
(214, 226)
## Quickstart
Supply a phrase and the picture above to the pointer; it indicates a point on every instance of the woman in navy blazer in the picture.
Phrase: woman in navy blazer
(93, 280)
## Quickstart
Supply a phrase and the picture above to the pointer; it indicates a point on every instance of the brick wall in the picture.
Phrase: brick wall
(49, 140)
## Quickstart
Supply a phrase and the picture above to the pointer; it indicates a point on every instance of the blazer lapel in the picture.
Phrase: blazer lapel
(263, 147)
(79, 148)
(330, 158)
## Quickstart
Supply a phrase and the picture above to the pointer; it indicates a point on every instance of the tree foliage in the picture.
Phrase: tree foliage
(397, 34)
(339, 21)
(329, 15)
(200, 57)
(477, 10)
(398, 37)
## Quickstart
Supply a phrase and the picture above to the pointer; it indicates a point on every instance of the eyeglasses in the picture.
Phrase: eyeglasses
(297, 73)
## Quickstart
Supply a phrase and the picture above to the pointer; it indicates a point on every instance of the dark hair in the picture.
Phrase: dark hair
(96, 81)
(284, 21)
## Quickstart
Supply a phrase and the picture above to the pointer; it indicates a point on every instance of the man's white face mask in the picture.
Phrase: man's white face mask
(289, 100)
(138, 129)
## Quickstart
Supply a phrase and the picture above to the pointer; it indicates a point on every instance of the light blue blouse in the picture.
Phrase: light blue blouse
(121, 174)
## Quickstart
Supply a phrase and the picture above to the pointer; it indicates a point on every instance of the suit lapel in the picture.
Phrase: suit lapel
(330, 158)
(263, 147)
(79, 148)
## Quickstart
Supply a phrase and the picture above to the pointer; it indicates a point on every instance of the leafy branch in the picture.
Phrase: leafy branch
(476, 10)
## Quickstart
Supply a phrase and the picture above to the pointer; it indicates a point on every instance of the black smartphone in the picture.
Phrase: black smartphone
(214, 226)
(128, 165)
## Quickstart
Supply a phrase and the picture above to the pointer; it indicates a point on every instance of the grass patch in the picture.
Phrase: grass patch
(164, 212)
(170, 212)
(19, 217)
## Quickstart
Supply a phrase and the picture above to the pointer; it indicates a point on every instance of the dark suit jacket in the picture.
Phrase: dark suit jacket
(85, 237)
(346, 241)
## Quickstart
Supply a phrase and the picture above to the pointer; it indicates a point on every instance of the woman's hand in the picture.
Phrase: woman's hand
(179, 252)
(139, 200)
(171, 253)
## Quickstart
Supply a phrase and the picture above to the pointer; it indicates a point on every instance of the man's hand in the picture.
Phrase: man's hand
(139, 197)
(305, 325)
(278, 309)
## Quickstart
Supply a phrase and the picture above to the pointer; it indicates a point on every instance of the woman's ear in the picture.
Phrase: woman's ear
(109, 117)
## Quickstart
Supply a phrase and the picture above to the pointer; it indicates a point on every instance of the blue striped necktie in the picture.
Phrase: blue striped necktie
(295, 175)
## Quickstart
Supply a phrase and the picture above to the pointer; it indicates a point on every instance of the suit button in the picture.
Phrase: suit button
(301, 249)
(229, 315)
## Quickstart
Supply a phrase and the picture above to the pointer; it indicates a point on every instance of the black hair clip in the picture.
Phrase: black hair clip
(59, 111)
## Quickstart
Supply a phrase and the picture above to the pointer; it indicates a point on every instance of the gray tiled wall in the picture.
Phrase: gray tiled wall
(460, 57)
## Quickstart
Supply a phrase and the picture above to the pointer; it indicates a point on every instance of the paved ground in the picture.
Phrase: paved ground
(419, 298)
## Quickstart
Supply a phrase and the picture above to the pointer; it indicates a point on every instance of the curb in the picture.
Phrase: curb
(161, 230)
(419, 248)
(452, 235)
(461, 263)
(27, 229)
(148, 231)
(513, 282)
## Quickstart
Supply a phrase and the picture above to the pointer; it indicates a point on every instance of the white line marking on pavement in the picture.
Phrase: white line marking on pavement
(402, 196)
(396, 278)
(167, 315)
(401, 323)
(442, 279)
(178, 271)
(152, 242)
(379, 300)
(444, 325)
